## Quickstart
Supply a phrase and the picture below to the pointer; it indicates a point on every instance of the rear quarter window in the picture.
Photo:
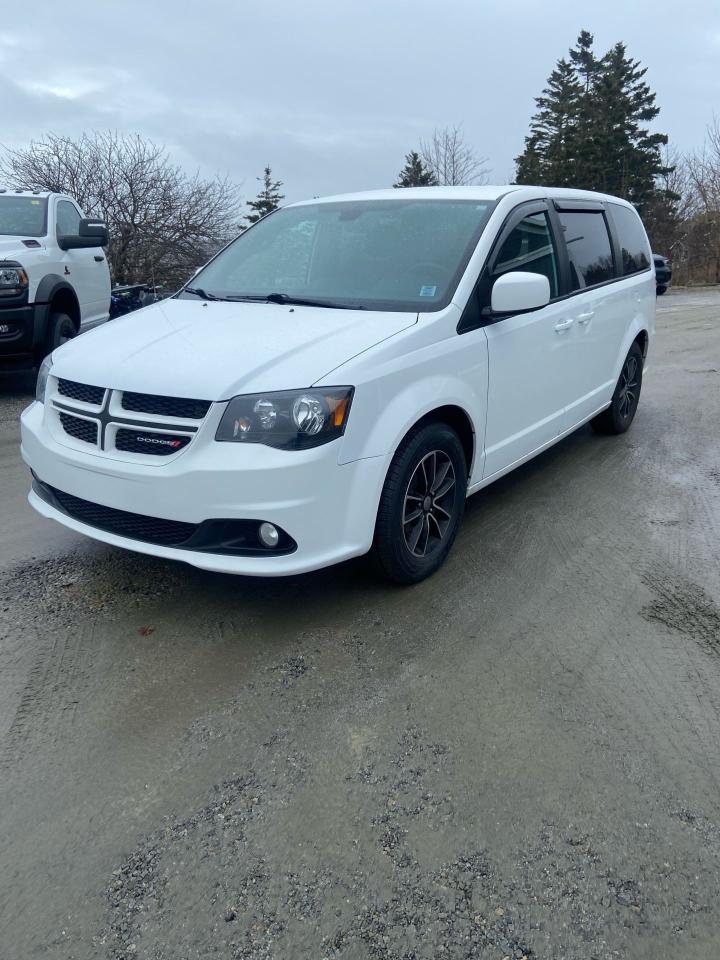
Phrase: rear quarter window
(635, 250)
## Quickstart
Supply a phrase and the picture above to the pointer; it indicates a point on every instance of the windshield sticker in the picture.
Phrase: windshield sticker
(35, 203)
(427, 291)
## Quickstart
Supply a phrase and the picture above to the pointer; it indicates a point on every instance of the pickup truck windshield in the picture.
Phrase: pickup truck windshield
(404, 254)
(22, 216)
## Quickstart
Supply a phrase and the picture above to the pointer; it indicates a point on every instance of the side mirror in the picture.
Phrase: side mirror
(91, 233)
(94, 230)
(519, 292)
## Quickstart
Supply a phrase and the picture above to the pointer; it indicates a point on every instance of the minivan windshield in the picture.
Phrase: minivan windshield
(404, 254)
(22, 216)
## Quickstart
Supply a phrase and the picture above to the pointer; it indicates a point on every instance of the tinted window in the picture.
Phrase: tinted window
(588, 246)
(403, 254)
(633, 242)
(529, 247)
(68, 219)
(22, 216)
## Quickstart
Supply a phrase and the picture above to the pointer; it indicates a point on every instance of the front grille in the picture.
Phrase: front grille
(165, 406)
(85, 430)
(81, 391)
(135, 526)
(154, 444)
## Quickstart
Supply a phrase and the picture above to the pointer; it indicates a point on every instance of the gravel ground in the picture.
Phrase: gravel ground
(518, 758)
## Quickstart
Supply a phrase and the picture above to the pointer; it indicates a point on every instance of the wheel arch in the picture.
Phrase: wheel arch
(59, 297)
(637, 333)
(643, 341)
(455, 417)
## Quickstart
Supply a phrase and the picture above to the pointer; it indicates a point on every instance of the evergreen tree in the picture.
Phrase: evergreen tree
(583, 60)
(631, 154)
(551, 146)
(415, 173)
(586, 67)
(590, 128)
(267, 200)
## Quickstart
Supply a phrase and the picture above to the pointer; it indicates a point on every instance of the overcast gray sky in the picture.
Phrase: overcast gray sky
(332, 93)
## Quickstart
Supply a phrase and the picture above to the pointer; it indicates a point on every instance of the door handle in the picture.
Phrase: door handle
(564, 324)
(585, 317)
(98, 259)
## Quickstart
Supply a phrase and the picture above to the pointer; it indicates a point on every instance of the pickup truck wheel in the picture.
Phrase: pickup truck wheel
(422, 504)
(621, 412)
(660, 289)
(60, 330)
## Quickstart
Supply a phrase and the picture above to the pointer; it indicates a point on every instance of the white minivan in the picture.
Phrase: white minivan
(342, 375)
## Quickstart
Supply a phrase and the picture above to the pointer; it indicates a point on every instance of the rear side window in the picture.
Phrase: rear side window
(633, 242)
(588, 245)
(529, 247)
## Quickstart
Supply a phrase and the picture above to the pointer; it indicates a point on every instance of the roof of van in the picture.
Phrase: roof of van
(490, 193)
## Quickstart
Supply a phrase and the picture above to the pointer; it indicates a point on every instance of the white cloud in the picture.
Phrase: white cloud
(332, 95)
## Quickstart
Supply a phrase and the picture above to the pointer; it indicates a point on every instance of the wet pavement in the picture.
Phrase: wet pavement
(517, 758)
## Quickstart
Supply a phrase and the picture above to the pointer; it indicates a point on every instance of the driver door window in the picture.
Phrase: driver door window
(68, 219)
(529, 247)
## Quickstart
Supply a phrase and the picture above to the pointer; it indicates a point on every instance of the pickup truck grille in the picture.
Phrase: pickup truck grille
(81, 391)
(140, 424)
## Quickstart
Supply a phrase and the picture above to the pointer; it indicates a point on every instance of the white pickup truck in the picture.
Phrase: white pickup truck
(54, 275)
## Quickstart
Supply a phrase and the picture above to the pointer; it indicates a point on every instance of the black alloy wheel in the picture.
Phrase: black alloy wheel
(422, 504)
(429, 497)
(623, 406)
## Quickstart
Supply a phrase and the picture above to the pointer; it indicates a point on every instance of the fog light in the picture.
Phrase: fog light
(268, 534)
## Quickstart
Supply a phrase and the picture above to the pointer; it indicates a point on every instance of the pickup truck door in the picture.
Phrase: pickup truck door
(86, 269)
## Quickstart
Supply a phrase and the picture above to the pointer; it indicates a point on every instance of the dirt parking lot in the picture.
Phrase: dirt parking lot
(518, 758)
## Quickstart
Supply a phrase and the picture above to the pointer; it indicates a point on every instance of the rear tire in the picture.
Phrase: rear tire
(60, 329)
(422, 504)
(621, 412)
(660, 289)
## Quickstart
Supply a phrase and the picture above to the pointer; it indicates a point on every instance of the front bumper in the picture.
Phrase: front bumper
(18, 337)
(327, 508)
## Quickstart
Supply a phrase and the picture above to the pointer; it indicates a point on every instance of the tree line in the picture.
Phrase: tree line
(590, 130)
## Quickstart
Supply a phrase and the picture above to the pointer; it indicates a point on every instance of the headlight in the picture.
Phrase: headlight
(290, 420)
(43, 374)
(12, 277)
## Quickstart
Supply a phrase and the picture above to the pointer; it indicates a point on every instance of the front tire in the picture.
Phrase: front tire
(422, 504)
(621, 412)
(60, 329)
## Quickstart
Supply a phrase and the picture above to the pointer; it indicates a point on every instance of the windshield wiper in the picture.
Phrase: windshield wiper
(306, 302)
(199, 292)
(281, 298)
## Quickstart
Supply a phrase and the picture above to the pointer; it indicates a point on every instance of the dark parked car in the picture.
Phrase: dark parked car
(126, 299)
(663, 273)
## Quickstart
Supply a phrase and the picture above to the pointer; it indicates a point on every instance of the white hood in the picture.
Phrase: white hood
(12, 248)
(213, 351)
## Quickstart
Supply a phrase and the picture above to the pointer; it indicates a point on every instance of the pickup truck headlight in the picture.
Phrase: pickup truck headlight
(13, 278)
(43, 374)
(289, 420)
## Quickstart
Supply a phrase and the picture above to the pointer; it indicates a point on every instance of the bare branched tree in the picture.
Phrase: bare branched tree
(691, 235)
(452, 160)
(162, 222)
